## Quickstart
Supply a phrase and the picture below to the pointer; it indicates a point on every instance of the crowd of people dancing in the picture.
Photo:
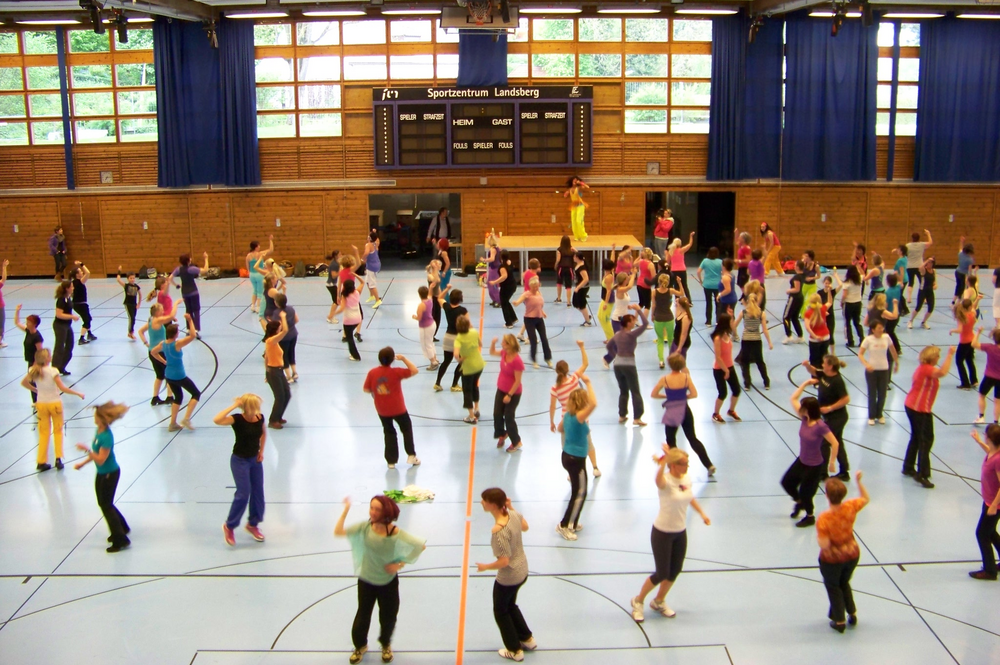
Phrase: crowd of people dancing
(735, 310)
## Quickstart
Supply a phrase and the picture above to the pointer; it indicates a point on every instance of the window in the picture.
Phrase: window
(447, 66)
(409, 31)
(111, 87)
(600, 30)
(364, 32)
(908, 75)
(517, 65)
(272, 35)
(552, 29)
(692, 31)
(647, 30)
(600, 64)
(326, 33)
(411, 67)
(553, 65)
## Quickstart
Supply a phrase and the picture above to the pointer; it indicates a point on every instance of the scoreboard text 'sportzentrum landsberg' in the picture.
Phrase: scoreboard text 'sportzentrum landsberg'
(482, 127)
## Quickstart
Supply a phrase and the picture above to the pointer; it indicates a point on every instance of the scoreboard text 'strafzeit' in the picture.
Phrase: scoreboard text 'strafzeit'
(482, 127)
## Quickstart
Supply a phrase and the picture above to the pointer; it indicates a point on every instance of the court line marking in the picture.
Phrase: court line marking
(464, 593)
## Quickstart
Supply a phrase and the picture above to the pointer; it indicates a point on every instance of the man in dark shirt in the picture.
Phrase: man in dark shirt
(57, 249)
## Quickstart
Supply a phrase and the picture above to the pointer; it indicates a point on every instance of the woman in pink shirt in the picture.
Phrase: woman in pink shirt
(722, 370)
(678, 267)
(534, 320)
(508, 392)
(919, 406)
(986, 530)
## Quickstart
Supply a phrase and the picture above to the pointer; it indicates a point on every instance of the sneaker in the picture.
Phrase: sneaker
(378, 303)
(637, 611)
(662, 608)
(456, 389)
(568, 534)
(514, 448)
(586, 324)
(716, 418)
(839, 627)
(597, 472)
(187, 424)
(522, 339)
(661, 364)
(353, 359)
(392, 466)
(358, 654)
(607, 365)
(881, 421)
(275, 425)
(173, 427)
(852, 619)
(386, 653)
(130, 336)
(925, 326)
(433, 366)
(871, 422)
(357, 336)
(711, 471)
(638, 423)
(796, 511)
(549, 363)
(64, 372)
(529, 644)
(577, 528)
(228, 535)
(91, 337)
(983, 575)
(800, 340)
(476, 414)
(909, 325)
(43, 467)
(59, 464)
(516, 656)
(82, 341)
(843, 476)
(370, 299)
(979, 421)
(535, 365)
(732, 414)
(471, 420)
(787, 340)
(118, 547)
(559, 299)
(156, 401)
(806, 521)
(412, 460)
(438, 388)
(255, 532)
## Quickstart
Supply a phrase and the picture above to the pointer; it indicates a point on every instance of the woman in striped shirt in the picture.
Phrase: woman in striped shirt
(512, 572)
(919, 406)
(566, 383)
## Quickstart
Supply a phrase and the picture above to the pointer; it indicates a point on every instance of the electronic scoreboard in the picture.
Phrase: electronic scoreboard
(482, 127)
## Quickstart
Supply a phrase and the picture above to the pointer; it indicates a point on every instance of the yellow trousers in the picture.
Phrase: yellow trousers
(50, 421)
(773, 261)
(604, 318)
(576, 214)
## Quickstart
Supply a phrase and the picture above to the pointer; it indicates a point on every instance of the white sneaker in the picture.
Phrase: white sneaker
(568, 534)
(412, 460)
(549, 363)
(516, 656)
(925, 326)
(979, 421)
(530, 644)
(334, 321)
(871, 422)
(637, 611)
(392, 466)
(881, 421)
(370, 299)
(711, 471)
(787, 340)
(535, 365)
(910, 325)
(800, 340)
(597, 472)
(662, 608)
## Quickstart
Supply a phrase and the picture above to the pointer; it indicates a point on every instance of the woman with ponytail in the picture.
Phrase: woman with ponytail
(102, 453)
(512, 572)
(752, 347)
(831, 390)
(566, 383)
(44, 381)
(818, 329)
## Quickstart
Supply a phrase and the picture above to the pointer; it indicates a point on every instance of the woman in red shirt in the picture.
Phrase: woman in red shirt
(661, 232)
(838, 551)
(919, 404)
(819, 331)
(965, 359)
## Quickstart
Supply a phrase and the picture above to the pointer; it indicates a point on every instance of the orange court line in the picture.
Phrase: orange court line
(463, 595)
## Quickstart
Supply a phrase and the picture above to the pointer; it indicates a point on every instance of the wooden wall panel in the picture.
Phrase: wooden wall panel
(888, 221)
(756, 206)
(301, 215)
(18, 171)
(482, 210)
(345, 220)
(930, 209)
(167, 234)
(532, 213)
(27, 249)
(623, 211)
(211, 230)
(846, 213)
(80, 217)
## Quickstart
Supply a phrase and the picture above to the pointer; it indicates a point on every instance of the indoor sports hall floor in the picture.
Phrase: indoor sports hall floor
(750, 593)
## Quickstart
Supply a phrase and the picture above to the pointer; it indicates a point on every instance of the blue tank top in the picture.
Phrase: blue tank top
(254, 275)
(175, 361)
(156, 336)
(730, 298)
(675, 407)
(877, 280)
(373, 262)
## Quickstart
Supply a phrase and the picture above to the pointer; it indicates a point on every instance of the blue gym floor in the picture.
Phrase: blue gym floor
(750, 593)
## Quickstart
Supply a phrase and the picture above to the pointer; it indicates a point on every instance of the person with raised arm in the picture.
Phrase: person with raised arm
(33, 340)
(133, 295)
(246, 464)
(577, 207)
(170, 353)
(919, 411)
(986, 529)
(102, 453)
(838, 551)
(806, 473)
(384, 384)
(188, 273)
(156, 327)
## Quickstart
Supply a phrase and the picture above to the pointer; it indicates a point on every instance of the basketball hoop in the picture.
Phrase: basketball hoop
(480, 11)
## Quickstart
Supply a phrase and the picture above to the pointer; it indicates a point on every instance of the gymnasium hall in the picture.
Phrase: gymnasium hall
(766, 232)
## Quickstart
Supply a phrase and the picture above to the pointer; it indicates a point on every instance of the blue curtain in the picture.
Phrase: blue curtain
(241, 159)
(482, 61)
(829, 100)
(205, 105)
(958, 112)
(744, 135)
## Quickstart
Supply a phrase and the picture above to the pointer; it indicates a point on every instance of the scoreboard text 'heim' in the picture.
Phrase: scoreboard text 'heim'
(422, 128)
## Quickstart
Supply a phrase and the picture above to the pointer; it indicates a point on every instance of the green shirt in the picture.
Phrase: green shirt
(467, 345)
(105, 440)
(372, 551)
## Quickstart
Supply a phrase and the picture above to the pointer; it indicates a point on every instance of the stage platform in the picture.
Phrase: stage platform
(600, 244)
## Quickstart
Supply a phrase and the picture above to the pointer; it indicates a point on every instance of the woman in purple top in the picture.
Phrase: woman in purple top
(508, 392)
(805, 474)
(189, 288)
(756, 266)
(677, 388)
(991, 377)
(621, 350)
(986, 530)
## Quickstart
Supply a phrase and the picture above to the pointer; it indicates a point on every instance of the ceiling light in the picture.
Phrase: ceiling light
(335, 13)
(50, 21)
(549, 10)
(911, 15)
(628, 10)
(830, 14)
(707, 12)
(410, 12)
(985, 16)
(258, 15)
(141, 19)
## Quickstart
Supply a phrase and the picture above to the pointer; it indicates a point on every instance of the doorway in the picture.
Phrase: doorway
(711, 215)
(403, 221)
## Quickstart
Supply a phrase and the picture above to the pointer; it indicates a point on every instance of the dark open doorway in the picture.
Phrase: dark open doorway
(711, 215)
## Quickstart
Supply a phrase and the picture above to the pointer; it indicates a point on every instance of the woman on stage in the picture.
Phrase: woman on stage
(577, 207)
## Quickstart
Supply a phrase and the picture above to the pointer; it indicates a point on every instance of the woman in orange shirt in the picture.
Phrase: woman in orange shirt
(838, 551)
(274, 358)
(965, 359)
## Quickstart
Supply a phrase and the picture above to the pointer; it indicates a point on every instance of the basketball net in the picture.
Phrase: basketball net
(480, 11)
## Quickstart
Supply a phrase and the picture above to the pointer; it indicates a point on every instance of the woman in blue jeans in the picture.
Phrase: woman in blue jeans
(246, 464)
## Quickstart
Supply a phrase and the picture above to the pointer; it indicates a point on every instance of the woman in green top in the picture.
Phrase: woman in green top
(380, 549)
(102, 453)
(469, 352)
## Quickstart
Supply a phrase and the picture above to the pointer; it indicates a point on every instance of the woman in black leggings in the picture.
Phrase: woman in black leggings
(80, 274)
(62, 327)
(452, 310)
(677, 388)
(508, 285)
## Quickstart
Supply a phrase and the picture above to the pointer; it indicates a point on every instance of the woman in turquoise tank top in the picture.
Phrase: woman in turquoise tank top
(158, 320)
(256, 270)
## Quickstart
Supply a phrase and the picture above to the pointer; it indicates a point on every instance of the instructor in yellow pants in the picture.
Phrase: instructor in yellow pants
(577, 207)
(772, 248)
(44, 379)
